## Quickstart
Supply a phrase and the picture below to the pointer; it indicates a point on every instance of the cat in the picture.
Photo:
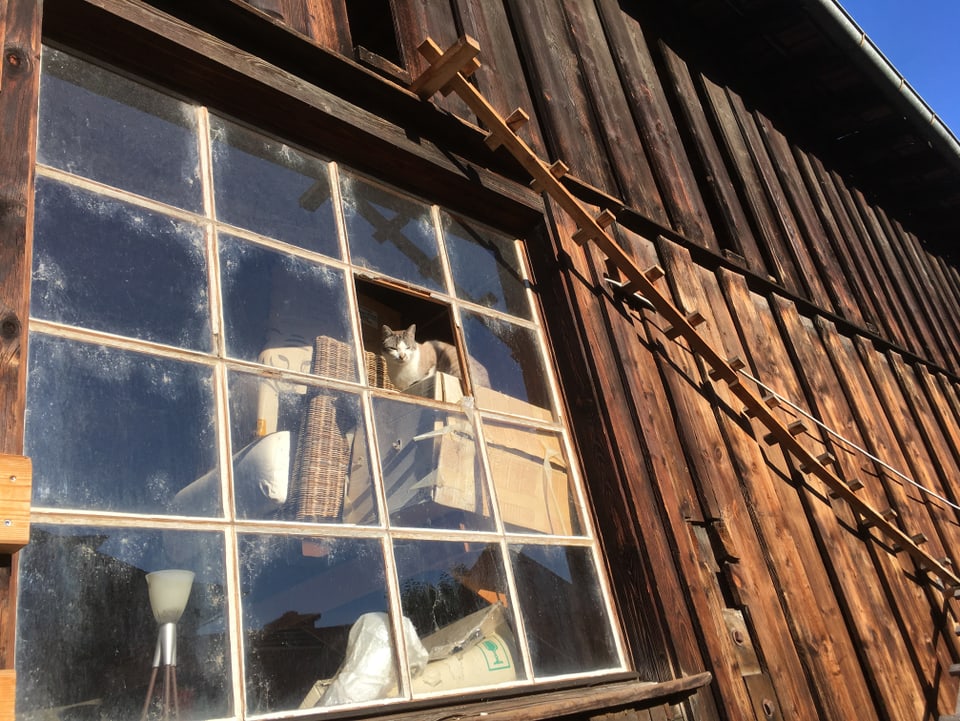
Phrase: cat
(409, 361)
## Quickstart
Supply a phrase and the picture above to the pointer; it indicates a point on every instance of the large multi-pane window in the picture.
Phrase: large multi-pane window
(207, 393)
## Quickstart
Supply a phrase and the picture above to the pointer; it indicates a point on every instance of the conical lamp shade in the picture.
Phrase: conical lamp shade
(169, 591)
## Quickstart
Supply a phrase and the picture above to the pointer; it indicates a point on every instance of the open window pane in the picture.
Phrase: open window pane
(93, 123)
(119, 268)
(301, 597)
(87, 630)
(571, 632)
(391, 234)
(514, 366)
(268, 187)
(485, 266)
(455, 594)
(431, 468)
(275, 306)
(298, 451)
(112, 430)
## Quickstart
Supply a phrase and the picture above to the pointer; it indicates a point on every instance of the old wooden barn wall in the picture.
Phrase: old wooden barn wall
(734, 561)
(757, 574)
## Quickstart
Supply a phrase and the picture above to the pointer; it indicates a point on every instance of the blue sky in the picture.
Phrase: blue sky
(922, 40)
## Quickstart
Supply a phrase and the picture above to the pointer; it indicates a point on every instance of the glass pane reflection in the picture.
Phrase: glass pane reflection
(276, 305)
(455, 594)
(268, 187)
(119, 268)
(111, 430)
(571, 632)
(485, 266)
(391, 234)
(513, 360)
(298, 450)
(94, 123)
(301, 596)
(431, 468)
(86, 635)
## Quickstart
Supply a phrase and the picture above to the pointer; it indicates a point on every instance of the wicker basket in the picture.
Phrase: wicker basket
(323, 451)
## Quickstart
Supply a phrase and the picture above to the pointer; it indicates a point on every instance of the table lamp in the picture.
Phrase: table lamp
(169, 591)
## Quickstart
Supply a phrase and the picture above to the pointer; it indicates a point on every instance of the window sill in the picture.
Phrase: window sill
(598, 699)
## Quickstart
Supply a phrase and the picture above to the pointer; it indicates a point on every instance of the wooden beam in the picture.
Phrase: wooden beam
(15, 487)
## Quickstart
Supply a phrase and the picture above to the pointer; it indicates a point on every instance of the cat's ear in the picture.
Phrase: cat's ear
(385, 331)
(412, 330)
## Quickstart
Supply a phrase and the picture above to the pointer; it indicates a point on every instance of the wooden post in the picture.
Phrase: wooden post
(19, 88)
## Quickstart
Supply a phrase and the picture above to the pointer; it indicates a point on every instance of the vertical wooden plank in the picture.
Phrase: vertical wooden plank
(914, 294)
(556, 83)
(326, 23)
(627, 149)
(745, 176)
(714, 463)
(18, 128)
(813, 248)
(656, 124)
(415, 21)
(924, 273)
(735, 231)
(637, 524)
(785, 542)
(804, 273)
(501, 77)
(793, 363)
(934, 655)
(823, 201)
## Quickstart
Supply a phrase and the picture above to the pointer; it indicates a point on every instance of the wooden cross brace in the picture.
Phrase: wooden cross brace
(448, 72)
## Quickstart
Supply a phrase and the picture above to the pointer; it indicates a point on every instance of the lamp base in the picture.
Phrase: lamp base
(164, 657)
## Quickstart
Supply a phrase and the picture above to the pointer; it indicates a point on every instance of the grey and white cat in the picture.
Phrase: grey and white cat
(409, 360)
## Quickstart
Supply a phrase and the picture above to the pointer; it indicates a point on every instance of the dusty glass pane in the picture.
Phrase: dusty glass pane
(514, 363)
(391, 234)
(532, 479)
(111, 430)
(456, 596)
(275, 306)
(298, 451)
(270, 188)
(113, 130)
(431, 468)
(86, 633)
(116, 267)
(300, 599)
(571, 632)
(485, 267)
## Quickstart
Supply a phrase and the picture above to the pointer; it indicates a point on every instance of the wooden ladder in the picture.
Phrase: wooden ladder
(448, 72)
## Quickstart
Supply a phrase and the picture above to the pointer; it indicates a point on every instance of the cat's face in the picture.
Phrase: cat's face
(399, 345)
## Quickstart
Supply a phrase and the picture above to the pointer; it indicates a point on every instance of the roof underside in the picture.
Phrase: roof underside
(796, 63)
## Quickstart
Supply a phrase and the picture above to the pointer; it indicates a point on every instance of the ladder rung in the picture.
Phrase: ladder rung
(917, 538)
(769, 400)
(889, 515)
(603, 220)
(794, 429)
(517, 119)
(733, 364)
(557, 169)
(824, 459)
(854, 485)
(694, 318)
(461, 57)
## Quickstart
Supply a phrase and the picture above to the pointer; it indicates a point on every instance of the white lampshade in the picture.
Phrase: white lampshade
(169, 591)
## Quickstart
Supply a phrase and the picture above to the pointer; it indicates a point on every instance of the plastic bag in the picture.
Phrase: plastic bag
(369, 670)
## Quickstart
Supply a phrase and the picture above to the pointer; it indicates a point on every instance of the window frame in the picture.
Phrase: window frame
(424, 168)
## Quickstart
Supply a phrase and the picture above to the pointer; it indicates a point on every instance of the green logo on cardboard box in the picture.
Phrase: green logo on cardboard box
(495, 653)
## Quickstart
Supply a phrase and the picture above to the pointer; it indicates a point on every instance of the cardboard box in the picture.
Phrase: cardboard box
(432, 466)
(478, 650)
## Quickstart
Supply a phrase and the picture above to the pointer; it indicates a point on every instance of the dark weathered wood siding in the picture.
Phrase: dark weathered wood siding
(725, 556)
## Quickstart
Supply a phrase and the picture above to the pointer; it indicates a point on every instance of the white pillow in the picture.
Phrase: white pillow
(260, 471)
